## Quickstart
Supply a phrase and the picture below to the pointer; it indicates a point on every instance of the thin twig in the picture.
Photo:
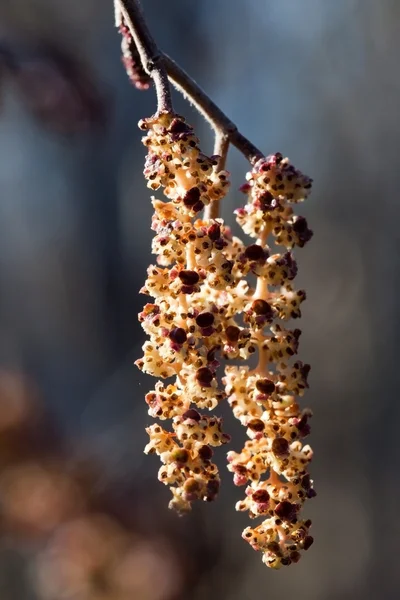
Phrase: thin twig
(221, 148)
(210, 111)
(161, 67)
(152, 59)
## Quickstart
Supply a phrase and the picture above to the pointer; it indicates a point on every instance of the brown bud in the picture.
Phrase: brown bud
(265, 201)
(178, 335)
(206, 453)
(265, 386)
(245, 188)
(254, 252)
(308, 541)
(286, 510)
(181, 455)
(214, 232)
(232, 333)
(205, 319)
(191, 414)
(256, 425)
(280, 447)
(189, 277)
(191, 486)
(261, 307)
(204, 376)
(274, 547)
(305, 482)
(260, 496)
(191, 197)
(179, 126)
(212, 489)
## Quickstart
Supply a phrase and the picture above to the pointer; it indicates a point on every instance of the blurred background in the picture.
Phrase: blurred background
(82, 516)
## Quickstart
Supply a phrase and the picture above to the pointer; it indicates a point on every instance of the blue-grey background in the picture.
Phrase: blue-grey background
(315, 79)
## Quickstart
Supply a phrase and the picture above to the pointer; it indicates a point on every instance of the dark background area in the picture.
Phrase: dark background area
(315, 79)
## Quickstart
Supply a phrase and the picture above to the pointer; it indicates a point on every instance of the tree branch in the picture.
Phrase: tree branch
(152, 59)
(162, 68)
